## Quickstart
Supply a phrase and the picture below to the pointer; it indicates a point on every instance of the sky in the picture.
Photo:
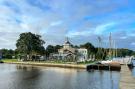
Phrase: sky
(80, 20)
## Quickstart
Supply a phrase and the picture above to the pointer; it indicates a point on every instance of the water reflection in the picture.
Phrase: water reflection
(30, 77)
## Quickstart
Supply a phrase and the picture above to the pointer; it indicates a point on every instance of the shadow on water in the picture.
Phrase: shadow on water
(27, 77)
(31, 77)
(29, 72)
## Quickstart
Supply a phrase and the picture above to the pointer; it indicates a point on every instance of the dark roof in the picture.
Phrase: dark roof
(67, 42)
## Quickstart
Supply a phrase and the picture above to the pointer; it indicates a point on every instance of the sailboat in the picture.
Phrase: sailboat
(112, 53)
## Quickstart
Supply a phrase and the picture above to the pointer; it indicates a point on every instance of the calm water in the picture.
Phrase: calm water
(29, 77)
(133, 70)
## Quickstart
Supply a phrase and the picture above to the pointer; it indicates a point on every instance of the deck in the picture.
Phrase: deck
(127, 81)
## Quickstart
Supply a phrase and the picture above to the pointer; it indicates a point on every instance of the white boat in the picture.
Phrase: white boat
(106, 62)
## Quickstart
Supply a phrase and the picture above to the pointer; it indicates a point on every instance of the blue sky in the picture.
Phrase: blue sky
(81, 20)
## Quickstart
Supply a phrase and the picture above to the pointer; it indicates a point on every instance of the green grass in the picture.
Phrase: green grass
(87, 62)
(55, 62)
(10, 60)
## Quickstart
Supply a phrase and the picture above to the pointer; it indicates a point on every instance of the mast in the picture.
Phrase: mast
(100, 48)
(114, 49)
(116, 53)
(110, 43)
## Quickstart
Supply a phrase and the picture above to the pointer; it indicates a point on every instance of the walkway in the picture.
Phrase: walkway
(127, 81)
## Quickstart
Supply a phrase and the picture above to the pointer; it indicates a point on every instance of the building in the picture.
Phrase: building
(69, 53)
(82, 54)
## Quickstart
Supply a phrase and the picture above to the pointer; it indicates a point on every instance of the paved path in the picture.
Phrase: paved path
(127, 81)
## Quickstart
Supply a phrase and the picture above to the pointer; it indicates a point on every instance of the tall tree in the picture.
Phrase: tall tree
(56, 48)
(29, 44)
(49, 49)
(52, 49)
(91, 49)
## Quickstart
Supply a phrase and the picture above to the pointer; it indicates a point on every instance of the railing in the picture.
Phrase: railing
(125, 60)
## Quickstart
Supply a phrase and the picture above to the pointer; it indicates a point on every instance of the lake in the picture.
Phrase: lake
(133, 70)
(14, 76)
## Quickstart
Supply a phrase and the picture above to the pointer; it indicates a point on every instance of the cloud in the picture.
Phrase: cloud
(79, 33)
(123, 37)
(101, 28)
(56, 23)
(82, 21)
(133, 43)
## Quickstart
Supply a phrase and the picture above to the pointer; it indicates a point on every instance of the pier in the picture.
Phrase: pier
(127, 81)
(109, 66)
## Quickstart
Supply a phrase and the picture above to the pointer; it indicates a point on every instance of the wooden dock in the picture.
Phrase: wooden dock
(109, 66)
(127, 81)
(124, 61)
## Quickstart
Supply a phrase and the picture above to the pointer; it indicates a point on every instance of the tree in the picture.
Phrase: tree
(52, 49)
(91, 49)
(30, 44)
(124, 52)
(7, 53)
(49, 50)
(56, 48)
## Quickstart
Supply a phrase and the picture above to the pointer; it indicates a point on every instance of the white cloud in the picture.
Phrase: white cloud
(99, 29)
(103, 27)
(123, 37)
(56, 23)
(79, 33)
(133, 43)
(59, 21)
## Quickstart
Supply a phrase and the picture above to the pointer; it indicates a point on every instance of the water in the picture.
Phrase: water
(29, 77)
(133, 70)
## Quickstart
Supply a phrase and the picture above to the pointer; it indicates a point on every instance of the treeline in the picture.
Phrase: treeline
(121, 52)
(29, 44)
(125, 52)
(10, 54)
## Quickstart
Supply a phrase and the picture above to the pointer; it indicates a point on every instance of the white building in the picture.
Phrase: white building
(82, 54)
(70, 53)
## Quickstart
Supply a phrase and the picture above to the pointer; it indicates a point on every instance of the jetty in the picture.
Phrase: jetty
(127, 81)
(124, 60)
(113, 66)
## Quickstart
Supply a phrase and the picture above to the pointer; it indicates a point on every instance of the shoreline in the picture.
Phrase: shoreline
(77, 66)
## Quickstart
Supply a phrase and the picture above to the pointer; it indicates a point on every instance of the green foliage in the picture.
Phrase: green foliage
(100, 54)
(125, 52)
(9, 60)
(7, 53)
(30, 44)
(91, 49)
(87, 62)
(52, 49)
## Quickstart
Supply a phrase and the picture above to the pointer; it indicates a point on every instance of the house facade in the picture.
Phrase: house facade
(69, 53)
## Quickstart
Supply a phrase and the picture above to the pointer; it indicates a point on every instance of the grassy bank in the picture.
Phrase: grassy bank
(47, 63)
(55, 62)
(9, 60)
